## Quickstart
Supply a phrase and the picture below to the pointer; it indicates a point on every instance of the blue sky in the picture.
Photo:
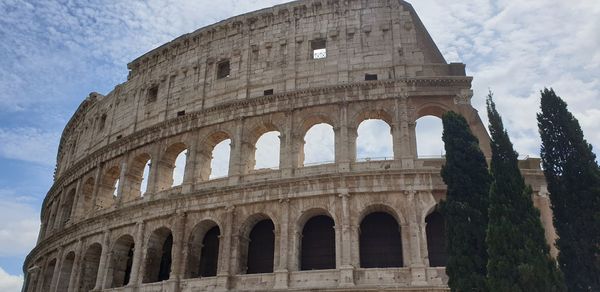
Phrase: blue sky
(54, 53)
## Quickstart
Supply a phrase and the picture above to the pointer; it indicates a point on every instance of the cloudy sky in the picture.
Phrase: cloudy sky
(54, 52)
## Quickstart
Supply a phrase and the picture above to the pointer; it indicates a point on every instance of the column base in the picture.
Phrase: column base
(222, 282)
(418, 276)
(281, 279)
(346, 276)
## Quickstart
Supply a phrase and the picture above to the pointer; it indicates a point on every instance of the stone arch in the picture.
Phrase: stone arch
(206, 151)
(428, 130)
(138, 170)
(168, 169)
(372, 114)
(373, 144)
(252, 148)
(381, 207)
(108, 187)
(317, 240)
(158, 256)
(89, 267)
(435, 230)
(67, 207)
(257, 244)
(327, 142)
(65, 272)
(120, 262)
(435, 109)
(87, 192)
(48, 274)
(380, 239)
(203, 250)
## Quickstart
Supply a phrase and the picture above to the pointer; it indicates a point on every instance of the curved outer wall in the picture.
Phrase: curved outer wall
(174, 100)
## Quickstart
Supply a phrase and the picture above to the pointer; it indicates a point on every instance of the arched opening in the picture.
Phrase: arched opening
(318, 244)
(203, 250)
(120, 262)
(51, 217)
(89, 267)
(48, 273)
(436, 239)
(108, 188)
(429, 137)
(219, 164)
(380, 241)
(138, 174)
(65, 272)
(267, 151)
(374, 141)
(87, 192)
(158, 256)
(261, 248)
(319, 145)
(67, 207)
(171, 168)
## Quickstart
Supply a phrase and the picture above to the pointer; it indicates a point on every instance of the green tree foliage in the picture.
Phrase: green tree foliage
(465, 209)
(519, 257)
(574, 184)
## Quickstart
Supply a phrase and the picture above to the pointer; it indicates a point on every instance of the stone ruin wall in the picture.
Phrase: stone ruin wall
(174, 100)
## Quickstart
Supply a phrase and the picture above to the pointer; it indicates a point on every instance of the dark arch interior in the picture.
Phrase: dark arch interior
(65, 272)
(210, 253)
(436, 239)
(380, 241)
(48, 273)
(318, 244)
(89, 272)
(261, 248)
(158, 257)
(122, 260)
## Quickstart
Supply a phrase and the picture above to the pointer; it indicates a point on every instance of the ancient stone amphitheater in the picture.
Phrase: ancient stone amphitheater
(346, 225)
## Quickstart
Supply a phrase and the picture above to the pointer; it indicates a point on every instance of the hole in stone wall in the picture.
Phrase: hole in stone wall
(318, 244)
(380, 241)
(223, 69)
(220, 159)
(370, 77)
(374, 141)
(319, 145)
(152, 94)
(180, 113)
(261, 248)
(267, 151)
(436, 239)
(429, 137)
(268, 92)
(179, 170)
(319, 49)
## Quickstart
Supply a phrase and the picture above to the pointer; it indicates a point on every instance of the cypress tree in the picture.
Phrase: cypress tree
(465, 208)
(574, 184)
(519, 257)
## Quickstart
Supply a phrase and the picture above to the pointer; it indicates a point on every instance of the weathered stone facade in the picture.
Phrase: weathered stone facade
(239, 79)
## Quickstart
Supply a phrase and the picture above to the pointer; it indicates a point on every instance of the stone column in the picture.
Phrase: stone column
(281, 271)
(189, 175)
(97, 178)
(57, 269)
(103, 259)
(136, 264)
(417, 265)
(124, 187)
(346, 267)
(225, 251)
(236, 161)
(286, 163)
(75, 207)
(342, 141)
(152, 186)
(403, 144)
(76, 267)
(178, 261)
(42, 278)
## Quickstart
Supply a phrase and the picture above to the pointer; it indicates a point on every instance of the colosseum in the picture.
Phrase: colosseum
(350, 224)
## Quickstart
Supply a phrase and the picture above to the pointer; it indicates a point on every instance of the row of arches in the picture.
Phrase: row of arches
(124, 182)
(380, 246)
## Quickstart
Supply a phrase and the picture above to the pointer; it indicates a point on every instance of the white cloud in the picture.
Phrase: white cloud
(29, 144)
(429, 137)
(10, 283)
(19, 225)
(319, 144)
(374, 140)
(517, 48)
(267, 150)
(220, 163)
